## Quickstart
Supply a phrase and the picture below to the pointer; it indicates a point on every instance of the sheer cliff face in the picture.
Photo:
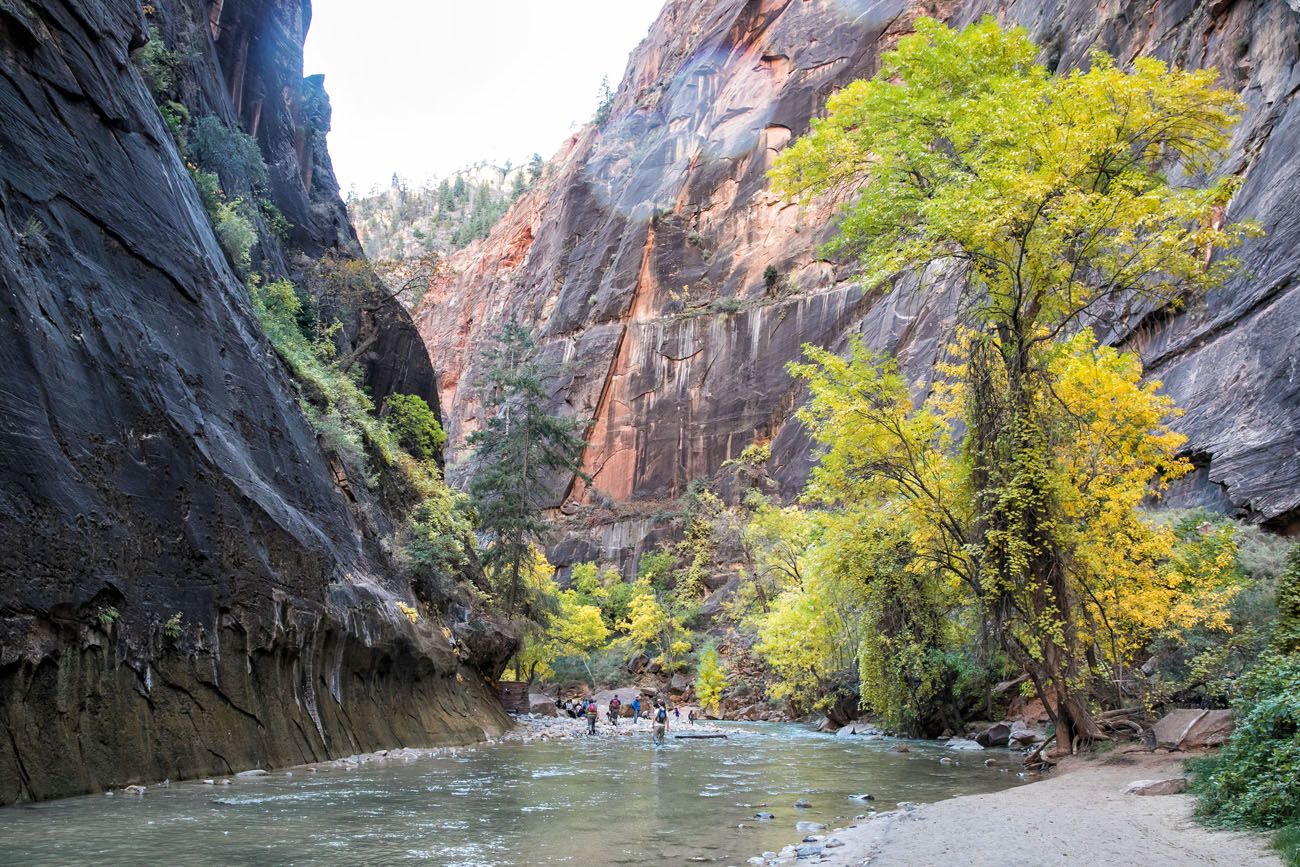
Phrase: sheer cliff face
(643, 257)
(153, 459)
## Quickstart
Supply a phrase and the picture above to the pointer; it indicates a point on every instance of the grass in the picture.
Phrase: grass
(1287, 843)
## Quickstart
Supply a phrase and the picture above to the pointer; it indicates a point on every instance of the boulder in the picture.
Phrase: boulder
(679, 683)
(540, 705)
(1211, 730)
(1188, 728)
(1023, 736)
(859, 727)
(996, 735)
(962, 744)
(1172, 786)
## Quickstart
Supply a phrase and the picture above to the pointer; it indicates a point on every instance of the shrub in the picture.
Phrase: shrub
(231, 153)
(727, 305)
(771, 279)
(235, 232)
(177, 117)
(172, 628)
(710, 680)
(1255, 779)
(159, 65)
(413, 424)
(1286, 635)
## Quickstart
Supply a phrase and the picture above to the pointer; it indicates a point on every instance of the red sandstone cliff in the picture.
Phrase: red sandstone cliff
(641, 257)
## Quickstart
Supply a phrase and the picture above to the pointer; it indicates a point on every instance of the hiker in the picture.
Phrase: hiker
(660, 723)
(636, 710)
(690, 717)
(614, 707)
(591, 718)
(677, 713)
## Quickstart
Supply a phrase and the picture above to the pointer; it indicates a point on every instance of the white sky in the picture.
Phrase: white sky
(424, 87)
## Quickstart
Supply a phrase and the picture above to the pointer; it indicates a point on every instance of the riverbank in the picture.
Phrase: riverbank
(1079, 814)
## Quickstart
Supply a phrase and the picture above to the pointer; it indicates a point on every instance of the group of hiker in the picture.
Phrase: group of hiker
(586, 708)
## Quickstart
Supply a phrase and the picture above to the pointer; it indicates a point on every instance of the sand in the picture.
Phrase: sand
(1079, 814)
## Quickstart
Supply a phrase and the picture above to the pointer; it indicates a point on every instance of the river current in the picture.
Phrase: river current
(603, 800)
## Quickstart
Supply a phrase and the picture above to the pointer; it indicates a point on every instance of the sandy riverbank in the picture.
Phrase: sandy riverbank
(1079, 814)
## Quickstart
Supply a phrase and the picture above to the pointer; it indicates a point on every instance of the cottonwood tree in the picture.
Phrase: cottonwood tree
(1057, 198)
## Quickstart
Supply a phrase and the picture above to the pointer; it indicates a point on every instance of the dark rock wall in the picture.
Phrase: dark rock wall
(641, 256)
(153, 460)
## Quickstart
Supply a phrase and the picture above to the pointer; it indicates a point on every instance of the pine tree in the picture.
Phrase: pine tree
(521, 451)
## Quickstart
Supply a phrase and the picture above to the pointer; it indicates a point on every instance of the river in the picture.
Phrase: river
(604, 800)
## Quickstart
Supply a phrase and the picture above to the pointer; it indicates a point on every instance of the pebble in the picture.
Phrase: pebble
(134, 790)
(765, 817)
(945, 761)
(108, 794)
(834, 843)
(209, 782)
(803, 803)
(862, 797)
(225, 782)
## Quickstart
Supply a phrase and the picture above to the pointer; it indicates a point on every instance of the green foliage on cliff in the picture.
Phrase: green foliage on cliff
(416, 427)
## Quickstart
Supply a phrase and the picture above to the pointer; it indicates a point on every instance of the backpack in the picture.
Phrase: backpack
(661, 715)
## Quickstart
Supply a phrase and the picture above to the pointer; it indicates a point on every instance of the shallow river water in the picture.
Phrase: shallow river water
(601, 800)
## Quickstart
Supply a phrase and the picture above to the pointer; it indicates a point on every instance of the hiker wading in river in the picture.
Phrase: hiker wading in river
(592, 713)
(660, 723)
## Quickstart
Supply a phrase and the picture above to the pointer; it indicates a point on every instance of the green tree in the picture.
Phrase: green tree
(520, 453)
(1047, 197)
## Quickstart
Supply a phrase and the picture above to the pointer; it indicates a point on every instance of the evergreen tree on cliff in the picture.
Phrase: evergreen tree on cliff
(1055, 200)
(521, 452)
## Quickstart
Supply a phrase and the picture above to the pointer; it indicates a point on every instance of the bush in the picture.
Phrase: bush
(1286, 635)
(727, 305)
(413, 424)
(159, 65)
(177, 117)
(236, 233)
(1255, 780)
(231, 153)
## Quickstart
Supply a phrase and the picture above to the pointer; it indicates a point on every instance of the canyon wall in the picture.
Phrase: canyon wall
(670, 287)
(185, 588)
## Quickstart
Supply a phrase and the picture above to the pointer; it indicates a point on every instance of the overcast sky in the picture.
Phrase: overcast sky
(424, 87)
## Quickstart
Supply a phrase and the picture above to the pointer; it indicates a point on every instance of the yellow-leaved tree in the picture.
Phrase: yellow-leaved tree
(1046, 198)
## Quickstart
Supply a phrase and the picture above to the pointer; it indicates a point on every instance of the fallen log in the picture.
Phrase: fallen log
(700, 737)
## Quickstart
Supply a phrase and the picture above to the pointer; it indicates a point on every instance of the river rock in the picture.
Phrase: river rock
(859, 727)
(255, 772)
(962, 744)
(862, 797)
(1171, 786)
(806, 827)
(764, 817)
(808, 850)
(996, 735)
(803, 803)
